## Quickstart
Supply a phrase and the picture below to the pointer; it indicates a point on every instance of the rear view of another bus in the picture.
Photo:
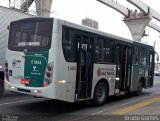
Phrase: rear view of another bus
(27, 68)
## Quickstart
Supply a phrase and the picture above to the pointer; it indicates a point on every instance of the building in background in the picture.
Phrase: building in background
(35, 7)
(90, 23)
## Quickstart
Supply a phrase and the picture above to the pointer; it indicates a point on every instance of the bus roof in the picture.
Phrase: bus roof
(92, 30)
(95, 31)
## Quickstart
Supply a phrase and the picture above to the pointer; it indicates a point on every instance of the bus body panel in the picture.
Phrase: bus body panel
(107, 72)
(64, 73)
(138, 72)
(16, 68)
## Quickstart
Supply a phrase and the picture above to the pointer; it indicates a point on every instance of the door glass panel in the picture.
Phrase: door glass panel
(84, 67)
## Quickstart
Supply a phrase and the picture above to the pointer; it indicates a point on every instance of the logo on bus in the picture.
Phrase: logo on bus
(105, 71)
(15, 62)
(99, 72)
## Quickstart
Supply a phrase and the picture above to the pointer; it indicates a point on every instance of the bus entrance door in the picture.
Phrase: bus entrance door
(123, 69)
(151, 69)
(84, 68)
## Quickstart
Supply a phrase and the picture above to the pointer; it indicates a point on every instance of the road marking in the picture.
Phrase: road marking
(131, 108)
(21, 101)
(114, 107)
(118, 106)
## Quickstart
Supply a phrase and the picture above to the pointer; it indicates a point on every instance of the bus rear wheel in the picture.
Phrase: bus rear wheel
(139, 88)
(100, 94)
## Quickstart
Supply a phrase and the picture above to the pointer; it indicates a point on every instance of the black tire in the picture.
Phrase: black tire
(1, 87)
(139, 88)
(100, 94)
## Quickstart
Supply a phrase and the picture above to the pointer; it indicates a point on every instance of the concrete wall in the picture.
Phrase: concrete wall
(6, 16)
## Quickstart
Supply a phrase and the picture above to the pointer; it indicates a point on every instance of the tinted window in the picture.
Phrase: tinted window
(100, 50)
(30, 35)
(135, 55)
(69, 44)
(109, 50)
(143, 56)
(104, 50)
(140, 55)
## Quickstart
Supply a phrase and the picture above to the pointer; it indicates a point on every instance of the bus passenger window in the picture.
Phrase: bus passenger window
(136, 55)
(143, 54)
(69, 45)
(109, 51)
(100, 50)
(104, 50)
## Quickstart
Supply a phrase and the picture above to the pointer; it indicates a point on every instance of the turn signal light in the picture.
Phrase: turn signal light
(48, 75)
(49, 68)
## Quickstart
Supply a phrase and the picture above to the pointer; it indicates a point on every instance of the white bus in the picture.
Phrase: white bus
(56, 59)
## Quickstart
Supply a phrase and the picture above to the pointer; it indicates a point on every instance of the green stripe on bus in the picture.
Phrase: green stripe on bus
(34, 70)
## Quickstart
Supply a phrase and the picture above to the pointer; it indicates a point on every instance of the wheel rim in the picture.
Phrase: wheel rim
(101, 94)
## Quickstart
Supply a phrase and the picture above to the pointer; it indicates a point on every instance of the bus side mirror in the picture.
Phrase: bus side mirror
(157, 58)
(8, 27)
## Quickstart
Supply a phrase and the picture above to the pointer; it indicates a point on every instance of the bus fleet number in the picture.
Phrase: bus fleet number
(72, 68)
(36, 62)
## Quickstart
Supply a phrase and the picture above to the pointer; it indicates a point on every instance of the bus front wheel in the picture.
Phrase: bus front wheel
(100, 94)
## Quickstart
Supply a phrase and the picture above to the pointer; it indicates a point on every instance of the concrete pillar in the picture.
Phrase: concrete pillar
(137, 22)
(43, 7)
(26, 4)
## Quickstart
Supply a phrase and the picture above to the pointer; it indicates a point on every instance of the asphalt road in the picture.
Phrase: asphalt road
(17, 107)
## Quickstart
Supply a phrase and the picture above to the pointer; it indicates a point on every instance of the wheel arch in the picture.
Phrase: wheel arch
(101, 99)
(102, 80)
(143, 81)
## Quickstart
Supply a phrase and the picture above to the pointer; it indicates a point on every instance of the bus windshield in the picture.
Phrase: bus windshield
(32, 35)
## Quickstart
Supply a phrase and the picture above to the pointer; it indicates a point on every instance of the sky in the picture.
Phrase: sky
(110, 21)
